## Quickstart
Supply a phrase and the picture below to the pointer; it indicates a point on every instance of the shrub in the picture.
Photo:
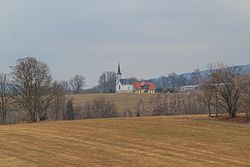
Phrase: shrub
(101, 108)
(127, 113)
(70, 114)
(140, 108)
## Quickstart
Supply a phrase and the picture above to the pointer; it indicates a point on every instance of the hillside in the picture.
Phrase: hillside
(204, 73)
(150, 141)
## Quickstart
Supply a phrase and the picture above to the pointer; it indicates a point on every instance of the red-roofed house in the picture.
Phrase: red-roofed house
(144, 87)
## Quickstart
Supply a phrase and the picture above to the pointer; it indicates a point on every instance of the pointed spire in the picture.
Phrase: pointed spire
(119, 70)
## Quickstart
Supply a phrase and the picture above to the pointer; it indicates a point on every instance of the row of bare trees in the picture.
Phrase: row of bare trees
(169, 104)
(74, 85)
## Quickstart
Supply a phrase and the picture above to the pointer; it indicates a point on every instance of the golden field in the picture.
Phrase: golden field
(149, 141)
(122, 101)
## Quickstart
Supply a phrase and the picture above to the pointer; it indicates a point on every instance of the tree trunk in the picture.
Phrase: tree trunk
(209, 110)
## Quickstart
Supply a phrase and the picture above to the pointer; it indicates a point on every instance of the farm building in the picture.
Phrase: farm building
(144, 87)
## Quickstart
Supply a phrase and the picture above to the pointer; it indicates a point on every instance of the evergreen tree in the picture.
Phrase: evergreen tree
(70, 114)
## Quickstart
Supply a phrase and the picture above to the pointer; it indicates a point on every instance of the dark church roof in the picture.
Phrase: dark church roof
(125, 82)
(119, 70)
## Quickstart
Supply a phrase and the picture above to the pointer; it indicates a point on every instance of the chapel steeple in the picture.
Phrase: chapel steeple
(119, 74)
(119, 70)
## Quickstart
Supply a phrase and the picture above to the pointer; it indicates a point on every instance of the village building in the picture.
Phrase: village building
(144, 87)
(189, 88)
(123, 85)
(126, 85)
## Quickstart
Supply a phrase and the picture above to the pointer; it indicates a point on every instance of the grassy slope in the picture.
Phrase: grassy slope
(149, 141)
(122, 101)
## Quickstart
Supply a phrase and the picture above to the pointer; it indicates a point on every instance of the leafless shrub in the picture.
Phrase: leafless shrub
(16, 116)
(101, 108)
(80, 112)
(185, 103)
(176, 104)
(127, 113)
(140, 108)
(159, 105)
(88, 110)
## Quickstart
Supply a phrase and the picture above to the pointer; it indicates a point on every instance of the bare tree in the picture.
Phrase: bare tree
(172, 80)
(227, 83)
(66, 86)
(127, 113)
(207, 95)
(163, 82)
(5, 93)
(77, 83)
(107, 82)
(31, 80)
(197, 77)
(57, 101)
(180, 81)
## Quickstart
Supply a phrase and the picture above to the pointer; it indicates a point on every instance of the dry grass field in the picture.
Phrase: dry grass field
(122, 101)
(148, 141)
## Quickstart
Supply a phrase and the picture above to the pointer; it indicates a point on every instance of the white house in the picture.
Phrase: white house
(189, 88)
(123, 85)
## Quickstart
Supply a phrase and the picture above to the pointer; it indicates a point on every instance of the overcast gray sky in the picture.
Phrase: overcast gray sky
(149, 37)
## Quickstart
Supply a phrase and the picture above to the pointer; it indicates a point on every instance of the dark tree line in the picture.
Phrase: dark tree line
(172, 83)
